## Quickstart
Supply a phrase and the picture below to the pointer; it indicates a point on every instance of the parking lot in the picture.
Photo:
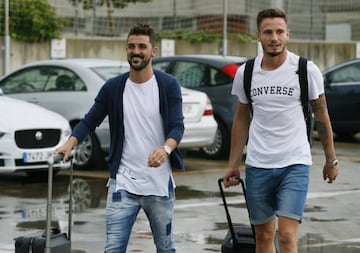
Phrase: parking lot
(331, 219)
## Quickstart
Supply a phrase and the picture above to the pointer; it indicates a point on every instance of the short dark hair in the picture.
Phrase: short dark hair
(143, 29)
(270, 13)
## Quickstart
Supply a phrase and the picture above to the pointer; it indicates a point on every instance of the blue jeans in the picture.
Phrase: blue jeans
(276, 192)
(122, 209)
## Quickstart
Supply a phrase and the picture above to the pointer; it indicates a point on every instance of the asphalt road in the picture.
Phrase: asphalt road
(331, 221)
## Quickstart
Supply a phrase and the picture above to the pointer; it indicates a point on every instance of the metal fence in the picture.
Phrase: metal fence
(331, 20)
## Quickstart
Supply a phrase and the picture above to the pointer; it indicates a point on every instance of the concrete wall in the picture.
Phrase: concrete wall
(324, 54)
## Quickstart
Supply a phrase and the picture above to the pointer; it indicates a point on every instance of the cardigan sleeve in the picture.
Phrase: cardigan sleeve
(94, 117)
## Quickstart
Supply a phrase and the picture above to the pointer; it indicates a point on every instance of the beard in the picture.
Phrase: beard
(274, 53)
(138, 64)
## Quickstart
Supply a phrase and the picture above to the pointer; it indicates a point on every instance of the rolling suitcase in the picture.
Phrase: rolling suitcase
(239, 238)
(51, 240)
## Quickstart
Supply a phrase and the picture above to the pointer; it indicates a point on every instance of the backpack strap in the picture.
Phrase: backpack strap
(249, 66)
(304, 97)
(303, 80)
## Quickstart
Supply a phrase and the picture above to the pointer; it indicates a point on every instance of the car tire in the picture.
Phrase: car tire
(88, 155)
(220, 148)
(81, 195)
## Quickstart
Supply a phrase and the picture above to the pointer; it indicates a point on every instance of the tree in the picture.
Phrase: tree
(110, 4)
(33, 21)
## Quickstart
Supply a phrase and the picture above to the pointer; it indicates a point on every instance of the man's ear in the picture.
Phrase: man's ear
(257, 36)
(154, 51)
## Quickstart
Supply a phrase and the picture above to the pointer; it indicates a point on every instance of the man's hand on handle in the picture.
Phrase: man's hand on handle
(66, 148)
(231, 177)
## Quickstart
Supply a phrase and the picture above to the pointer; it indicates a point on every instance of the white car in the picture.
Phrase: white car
(29, 134)
(199, 121)
(69, 88)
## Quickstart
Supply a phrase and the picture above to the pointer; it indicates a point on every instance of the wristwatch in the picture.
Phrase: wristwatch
(333, 164)
(167, 149)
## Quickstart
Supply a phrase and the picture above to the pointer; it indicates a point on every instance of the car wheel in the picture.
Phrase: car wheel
(219, 149)
(81, 195)
(88, 154)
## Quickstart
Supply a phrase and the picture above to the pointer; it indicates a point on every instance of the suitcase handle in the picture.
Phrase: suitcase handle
(228, 217)
(55, 158)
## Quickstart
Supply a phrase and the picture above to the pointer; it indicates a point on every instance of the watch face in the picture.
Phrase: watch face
(167, 149)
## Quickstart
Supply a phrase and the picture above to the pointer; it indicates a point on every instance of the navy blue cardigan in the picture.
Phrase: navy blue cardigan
(109, 102)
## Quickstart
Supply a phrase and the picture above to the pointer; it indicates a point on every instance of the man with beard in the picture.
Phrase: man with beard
(278, 153)
(144, 107)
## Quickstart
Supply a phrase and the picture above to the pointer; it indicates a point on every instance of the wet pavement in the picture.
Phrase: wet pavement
(331, 220)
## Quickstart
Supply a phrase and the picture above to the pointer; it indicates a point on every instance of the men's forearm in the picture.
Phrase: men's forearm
(72, 141)
(239, 136)
(324, 129)
(326, 138)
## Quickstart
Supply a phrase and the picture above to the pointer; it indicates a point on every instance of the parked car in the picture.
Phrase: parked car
(342, 89)
(199, 121)
(70, 86)
(29, 134)
(212, 74)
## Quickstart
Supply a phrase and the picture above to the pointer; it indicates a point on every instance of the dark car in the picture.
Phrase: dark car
(212, 74)
(342, 89)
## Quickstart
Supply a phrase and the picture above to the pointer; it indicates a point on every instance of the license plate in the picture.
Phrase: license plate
(32, 157)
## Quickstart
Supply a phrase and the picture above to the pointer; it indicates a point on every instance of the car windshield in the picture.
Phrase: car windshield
(106, 72)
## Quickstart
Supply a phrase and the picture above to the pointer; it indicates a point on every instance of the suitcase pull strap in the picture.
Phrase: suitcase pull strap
(228, 217)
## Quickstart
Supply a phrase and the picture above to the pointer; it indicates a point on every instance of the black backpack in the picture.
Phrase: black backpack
(304, 95)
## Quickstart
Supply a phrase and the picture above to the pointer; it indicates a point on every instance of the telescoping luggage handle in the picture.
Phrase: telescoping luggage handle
(51, 161)
(228, 217)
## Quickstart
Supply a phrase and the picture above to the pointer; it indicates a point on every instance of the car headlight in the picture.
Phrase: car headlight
(67, 132)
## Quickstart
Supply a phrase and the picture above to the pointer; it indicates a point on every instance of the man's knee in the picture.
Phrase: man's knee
(288, 233)
(265, 236)
(265, 232)
(265, 242)
(287, 237)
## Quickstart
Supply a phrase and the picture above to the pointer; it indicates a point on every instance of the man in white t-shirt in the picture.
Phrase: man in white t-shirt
(278, 153)
(144, 107)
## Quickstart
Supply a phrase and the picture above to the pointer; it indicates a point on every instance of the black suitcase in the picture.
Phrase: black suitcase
(239, 238)
(244, 240)
(59, 243)
(51, 240)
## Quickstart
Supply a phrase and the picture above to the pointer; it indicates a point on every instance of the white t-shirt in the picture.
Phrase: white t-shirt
(277, 134)
(143, 133)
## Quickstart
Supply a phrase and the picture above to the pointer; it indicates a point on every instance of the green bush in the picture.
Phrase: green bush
(33, 21)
